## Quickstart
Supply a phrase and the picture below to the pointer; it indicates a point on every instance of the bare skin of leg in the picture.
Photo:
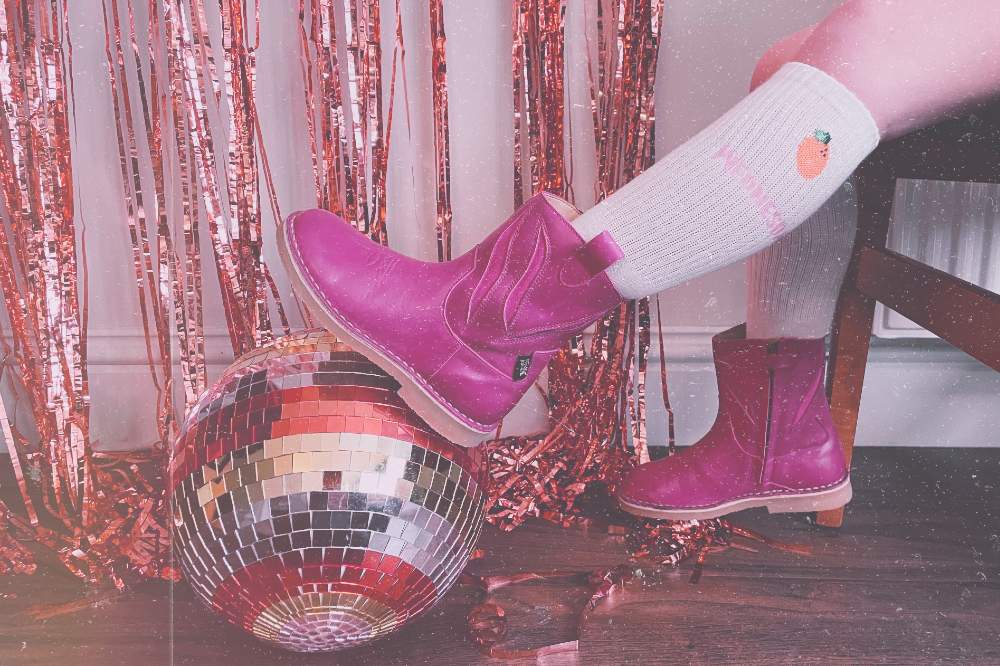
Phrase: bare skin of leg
(782, 51)
(911, 62)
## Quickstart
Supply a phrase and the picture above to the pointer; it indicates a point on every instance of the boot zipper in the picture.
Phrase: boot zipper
(772, 349)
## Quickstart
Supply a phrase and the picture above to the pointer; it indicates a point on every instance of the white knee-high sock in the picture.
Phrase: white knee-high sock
(750, 177)
(792, 286)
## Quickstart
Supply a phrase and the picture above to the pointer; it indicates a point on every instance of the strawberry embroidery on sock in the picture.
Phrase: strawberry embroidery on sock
(813, 154)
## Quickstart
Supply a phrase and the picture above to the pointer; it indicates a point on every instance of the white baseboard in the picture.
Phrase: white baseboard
(917, 393)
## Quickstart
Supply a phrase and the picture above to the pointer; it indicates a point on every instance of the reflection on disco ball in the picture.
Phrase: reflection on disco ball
(311, 506)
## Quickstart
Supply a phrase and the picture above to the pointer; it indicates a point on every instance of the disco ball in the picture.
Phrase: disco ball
(311, 506)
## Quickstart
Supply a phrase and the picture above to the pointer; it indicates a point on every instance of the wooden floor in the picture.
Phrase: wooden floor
(913, 577)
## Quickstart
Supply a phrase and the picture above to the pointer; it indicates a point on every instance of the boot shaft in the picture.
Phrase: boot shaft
(533, 282)
(771, 393)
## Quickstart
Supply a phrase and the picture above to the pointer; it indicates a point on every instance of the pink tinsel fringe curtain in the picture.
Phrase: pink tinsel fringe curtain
(179, 79)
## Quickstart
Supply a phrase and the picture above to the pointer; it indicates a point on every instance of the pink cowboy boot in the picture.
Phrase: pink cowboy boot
(773, 443)
(464, 338)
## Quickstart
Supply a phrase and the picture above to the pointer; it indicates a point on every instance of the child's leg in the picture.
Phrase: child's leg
(792, 290)
(770, 162)
(910, 62)
(792, 286)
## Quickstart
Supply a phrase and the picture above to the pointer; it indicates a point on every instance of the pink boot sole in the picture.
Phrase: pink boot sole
(822, 500)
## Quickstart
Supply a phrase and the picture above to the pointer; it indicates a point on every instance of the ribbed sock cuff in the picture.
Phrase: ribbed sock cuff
(753, 175)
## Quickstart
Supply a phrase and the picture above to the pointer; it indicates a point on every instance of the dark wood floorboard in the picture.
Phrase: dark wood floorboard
(913, 577)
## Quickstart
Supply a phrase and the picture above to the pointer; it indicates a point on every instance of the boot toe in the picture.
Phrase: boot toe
(326, 245)
(659, 484)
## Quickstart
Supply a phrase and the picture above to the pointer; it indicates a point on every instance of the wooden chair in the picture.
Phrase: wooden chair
(966, 316)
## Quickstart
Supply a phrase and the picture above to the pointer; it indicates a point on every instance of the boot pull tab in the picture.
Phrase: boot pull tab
(599, 253)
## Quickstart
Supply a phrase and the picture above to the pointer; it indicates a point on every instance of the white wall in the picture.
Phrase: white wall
(708, 51)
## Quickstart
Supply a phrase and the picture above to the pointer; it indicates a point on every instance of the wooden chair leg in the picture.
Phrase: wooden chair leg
(846, 375)
(852, 326)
